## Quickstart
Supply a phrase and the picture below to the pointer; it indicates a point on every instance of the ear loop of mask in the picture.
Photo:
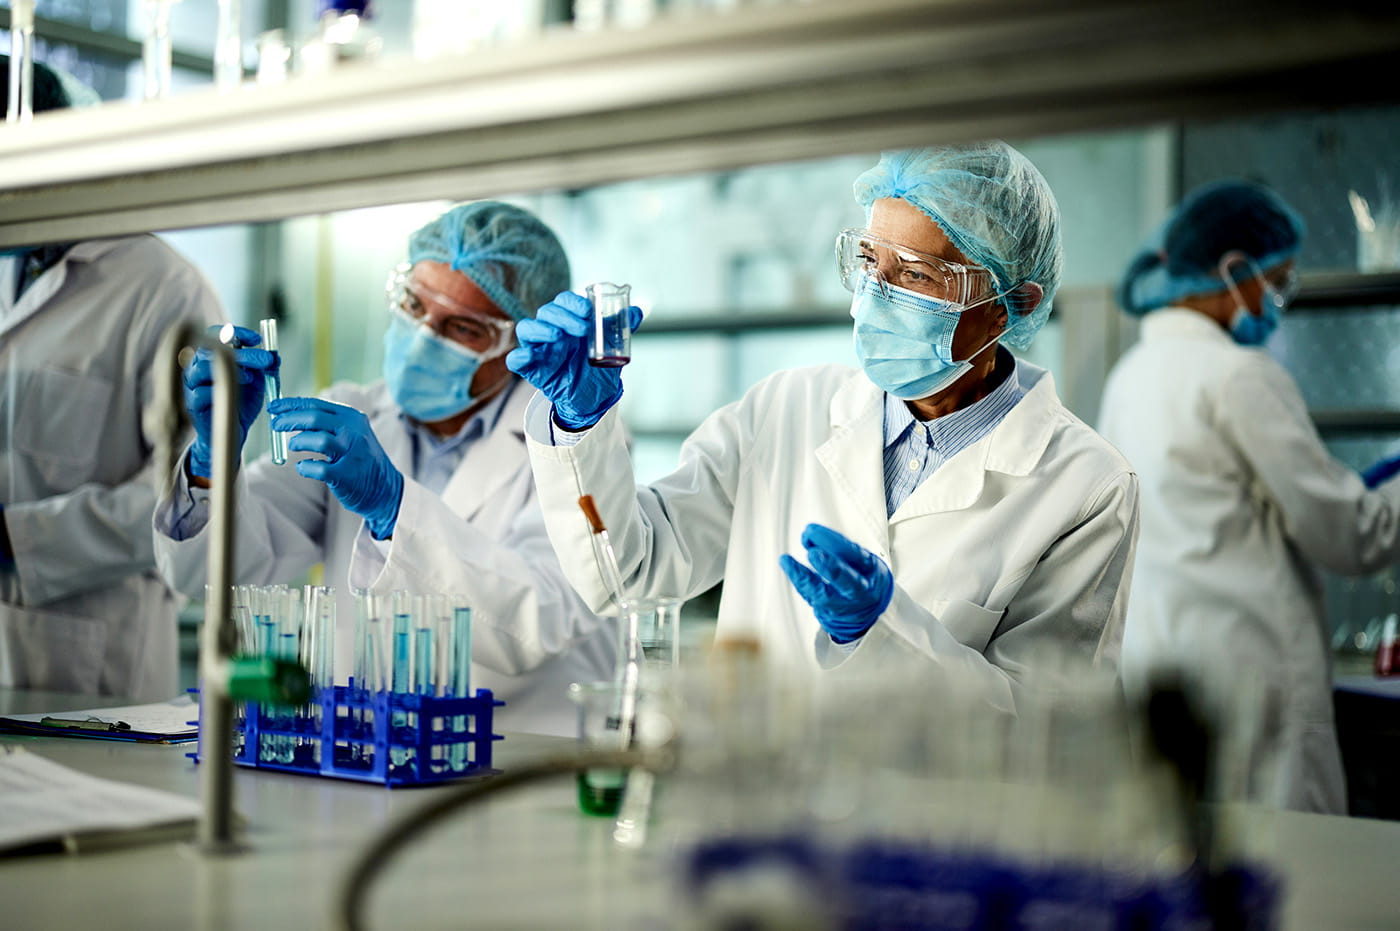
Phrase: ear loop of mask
(1226, 261)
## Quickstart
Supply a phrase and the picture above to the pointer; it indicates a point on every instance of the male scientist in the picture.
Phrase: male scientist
(81, 606)
(951, 511)
(421, 481)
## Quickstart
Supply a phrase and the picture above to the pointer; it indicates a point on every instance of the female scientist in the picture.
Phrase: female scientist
(951, 511)
(1240, 499)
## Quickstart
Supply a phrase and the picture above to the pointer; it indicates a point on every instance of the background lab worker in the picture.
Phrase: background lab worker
(81, 606)
(948, 507)
(1240, 499)
(420, 481)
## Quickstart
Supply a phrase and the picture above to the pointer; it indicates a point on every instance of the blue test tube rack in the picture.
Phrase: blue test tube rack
(446, 731)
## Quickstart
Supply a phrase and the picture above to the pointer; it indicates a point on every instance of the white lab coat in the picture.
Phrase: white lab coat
(83, 609)
(531, 635)
(1239, 500)
(1017, 547)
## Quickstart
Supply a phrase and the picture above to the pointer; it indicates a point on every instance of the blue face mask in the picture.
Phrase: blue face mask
(429, 377)
(904, 340)
(1250, 329)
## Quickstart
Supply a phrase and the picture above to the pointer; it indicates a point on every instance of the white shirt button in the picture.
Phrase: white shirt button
(913, 465)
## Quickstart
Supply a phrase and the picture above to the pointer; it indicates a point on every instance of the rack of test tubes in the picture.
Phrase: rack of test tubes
(405, 714)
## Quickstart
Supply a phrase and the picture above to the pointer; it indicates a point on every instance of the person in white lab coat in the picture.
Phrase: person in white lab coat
(951, 510)
(1240, 499)
(421, 481)
(81, 606)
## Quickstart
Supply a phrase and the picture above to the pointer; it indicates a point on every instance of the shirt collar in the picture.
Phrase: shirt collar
(899, 419)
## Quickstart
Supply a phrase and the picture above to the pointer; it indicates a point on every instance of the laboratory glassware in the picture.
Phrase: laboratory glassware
(268, 326)
(345, 32)
(658, 632)
(228, 46)
(156, 49)
(610, 342)
(274, 57)
(20, 106)
(600, 789)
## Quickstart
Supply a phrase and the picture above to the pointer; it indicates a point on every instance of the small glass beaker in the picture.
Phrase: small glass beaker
(658, 623)
(600, 727)
(610, 344)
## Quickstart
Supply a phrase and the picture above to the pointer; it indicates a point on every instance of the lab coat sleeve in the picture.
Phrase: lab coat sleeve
(280, 525)
(671, 537)
(1071, 604)
(96, 534)
(524, 611)
(1327, 511)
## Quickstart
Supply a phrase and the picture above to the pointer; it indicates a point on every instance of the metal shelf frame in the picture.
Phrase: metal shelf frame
(702, 93)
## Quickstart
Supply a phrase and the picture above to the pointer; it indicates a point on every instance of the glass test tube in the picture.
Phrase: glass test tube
(20, 106)
(156, 49)
(610, 342)
(228, 46)
(401, 681)
(268, 328)
(460, 684)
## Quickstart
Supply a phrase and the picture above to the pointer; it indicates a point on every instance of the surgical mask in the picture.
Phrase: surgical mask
(1250, 329)
(904, 340)
(429, 377)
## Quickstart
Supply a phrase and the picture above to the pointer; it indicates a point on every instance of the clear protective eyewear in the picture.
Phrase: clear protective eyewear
(861, 255)
(1284, 282)
(481, 333)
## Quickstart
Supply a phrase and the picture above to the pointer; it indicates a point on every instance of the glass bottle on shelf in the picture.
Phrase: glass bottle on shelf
(345, 32)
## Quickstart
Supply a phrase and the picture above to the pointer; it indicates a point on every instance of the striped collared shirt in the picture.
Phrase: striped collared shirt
(915, 449)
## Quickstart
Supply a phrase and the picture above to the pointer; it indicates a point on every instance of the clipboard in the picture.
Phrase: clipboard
(169, 722)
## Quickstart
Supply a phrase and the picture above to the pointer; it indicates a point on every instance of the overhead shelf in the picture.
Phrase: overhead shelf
(1327, 290)
(708, 92)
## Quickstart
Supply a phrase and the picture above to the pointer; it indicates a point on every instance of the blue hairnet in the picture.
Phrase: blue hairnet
(991, 203)
(1182, 257)
(508, 252)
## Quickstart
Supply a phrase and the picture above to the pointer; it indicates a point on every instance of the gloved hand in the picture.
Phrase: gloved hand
(553, 356)
(254, 365)
(356, 468)
(850, 588)
(1381, 471)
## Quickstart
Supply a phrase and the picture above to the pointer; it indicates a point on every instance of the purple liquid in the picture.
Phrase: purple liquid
(609, 362)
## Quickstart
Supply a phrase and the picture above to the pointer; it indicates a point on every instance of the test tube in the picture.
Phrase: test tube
(401, 682)
(156, 49)
(20, 106)
(460, 683)
(610, 342)
(268, 327)
(228, 46)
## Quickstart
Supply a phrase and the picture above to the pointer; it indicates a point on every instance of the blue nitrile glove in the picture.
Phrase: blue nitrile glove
(553, 356)
(1378, 473)
(356, 468)
(850, 588)
(253, 367)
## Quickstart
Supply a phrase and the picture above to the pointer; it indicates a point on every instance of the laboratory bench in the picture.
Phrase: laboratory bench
(525, 859)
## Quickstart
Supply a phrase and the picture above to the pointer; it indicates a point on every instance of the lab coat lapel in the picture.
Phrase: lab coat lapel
(1013, 447)
(491, 461)
(37, 295)
(853, 453)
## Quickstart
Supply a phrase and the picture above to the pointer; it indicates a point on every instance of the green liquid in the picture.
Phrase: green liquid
(599, 799)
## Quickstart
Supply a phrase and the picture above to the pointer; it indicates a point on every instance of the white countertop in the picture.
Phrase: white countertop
(523, 860)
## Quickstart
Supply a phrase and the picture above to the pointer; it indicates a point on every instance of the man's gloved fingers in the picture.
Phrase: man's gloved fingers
(257, 360)
(328, 412)
(563, 319)
(520, 360)
(848, 582)
(822, 537)
(315, 441)
(318, 469)
(808, 584)
(537, 333)
(200, 404)
(634, 317)
(293, 421)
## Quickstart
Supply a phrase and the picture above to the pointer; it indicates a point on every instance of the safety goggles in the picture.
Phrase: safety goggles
(1283, 281)
(421, 305)
(860, 256)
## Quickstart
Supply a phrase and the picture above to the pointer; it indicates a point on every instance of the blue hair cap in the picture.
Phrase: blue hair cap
(991, 203)
(1182, 257)
(506, 251)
